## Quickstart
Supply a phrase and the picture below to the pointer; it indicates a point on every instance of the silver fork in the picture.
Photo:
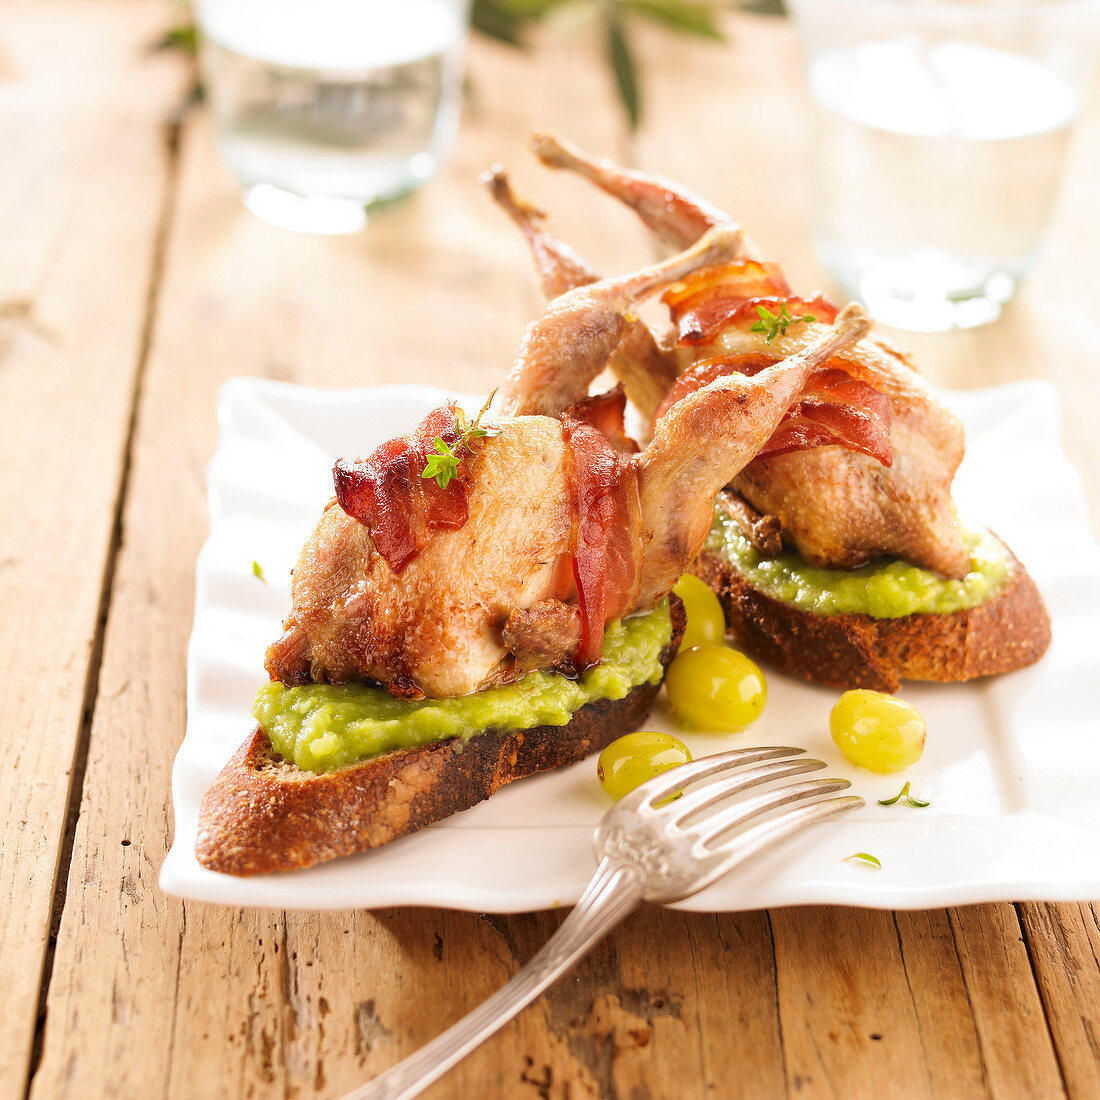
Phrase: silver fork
(648, 848)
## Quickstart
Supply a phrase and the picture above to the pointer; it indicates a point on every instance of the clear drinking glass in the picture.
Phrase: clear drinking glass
(324, 107)
(941, 129)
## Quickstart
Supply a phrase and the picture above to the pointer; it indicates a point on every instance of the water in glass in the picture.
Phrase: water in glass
(938, 165)
(328, 106)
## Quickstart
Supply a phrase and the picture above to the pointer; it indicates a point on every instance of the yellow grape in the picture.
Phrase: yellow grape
(632, 759)
(706, 622)
(715, 687)
(876, 731)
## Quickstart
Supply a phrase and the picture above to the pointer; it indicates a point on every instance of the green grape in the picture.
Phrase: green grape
(636, 757)
(706, 622)
(715, 687)
(876, 731)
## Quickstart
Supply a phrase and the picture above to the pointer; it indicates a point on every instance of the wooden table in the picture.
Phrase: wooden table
(132, 283)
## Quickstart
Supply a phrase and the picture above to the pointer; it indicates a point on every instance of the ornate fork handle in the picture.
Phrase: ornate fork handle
(614, 891)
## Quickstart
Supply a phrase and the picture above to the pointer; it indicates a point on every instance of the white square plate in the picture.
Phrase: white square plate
(1011, 767)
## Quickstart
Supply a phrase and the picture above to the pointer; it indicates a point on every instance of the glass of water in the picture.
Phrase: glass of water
(941, 129)
(325, 107)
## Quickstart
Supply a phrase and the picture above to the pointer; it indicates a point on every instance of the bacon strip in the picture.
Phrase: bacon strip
(706, 371)
(713, 298)
(833, 407)
(387, 494)
(603, 496)
(702, 323)
(836, 408)
(739, 279)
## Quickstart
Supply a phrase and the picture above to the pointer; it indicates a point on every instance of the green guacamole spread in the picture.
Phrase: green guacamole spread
(886, 589)
(324, 726)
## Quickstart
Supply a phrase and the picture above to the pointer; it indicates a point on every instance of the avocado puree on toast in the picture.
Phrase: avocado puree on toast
(885, 589)
(320, 727)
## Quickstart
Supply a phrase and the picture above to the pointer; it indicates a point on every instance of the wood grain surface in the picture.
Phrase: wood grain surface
(79, 232)
(132, 283)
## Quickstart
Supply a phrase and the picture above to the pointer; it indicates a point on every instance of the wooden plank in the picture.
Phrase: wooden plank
(1064, 945)
(948, 1035)
(943, 1004)
(857, 1015)
(1016, 1043)
(668, 991)
(208, 1000)
(79, 231)
(163, 999)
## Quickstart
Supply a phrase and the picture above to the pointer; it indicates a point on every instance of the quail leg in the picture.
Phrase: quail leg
(574, 339)
(676, 215)
(645, 369)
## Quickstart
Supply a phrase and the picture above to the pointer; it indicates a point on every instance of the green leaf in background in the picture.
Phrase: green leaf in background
(531, 9)
(624, 69)
(689, 18)
(508, 20)
(491, 19)
(765, 7)
(184, 38)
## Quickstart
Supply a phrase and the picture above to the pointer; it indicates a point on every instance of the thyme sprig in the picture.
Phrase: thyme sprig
(904, 793)
(772, 324)
(443, 463)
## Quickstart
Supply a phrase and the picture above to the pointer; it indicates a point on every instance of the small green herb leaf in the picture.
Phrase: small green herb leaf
(772, 325)
(443, 464)
(258, 571)
(891, 801)
(866, 857)
(904, 793)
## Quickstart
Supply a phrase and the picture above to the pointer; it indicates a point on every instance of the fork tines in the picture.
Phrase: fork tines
(679, 779)
(701, 831)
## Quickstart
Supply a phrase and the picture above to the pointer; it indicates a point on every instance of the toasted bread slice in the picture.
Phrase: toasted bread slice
(1010, 630)
(263, 813)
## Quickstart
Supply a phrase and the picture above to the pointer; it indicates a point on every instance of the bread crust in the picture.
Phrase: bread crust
(264, 814)
(1006, 632)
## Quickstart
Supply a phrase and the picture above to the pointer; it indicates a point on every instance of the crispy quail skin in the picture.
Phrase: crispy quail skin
(837, 508)
(438, 627)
